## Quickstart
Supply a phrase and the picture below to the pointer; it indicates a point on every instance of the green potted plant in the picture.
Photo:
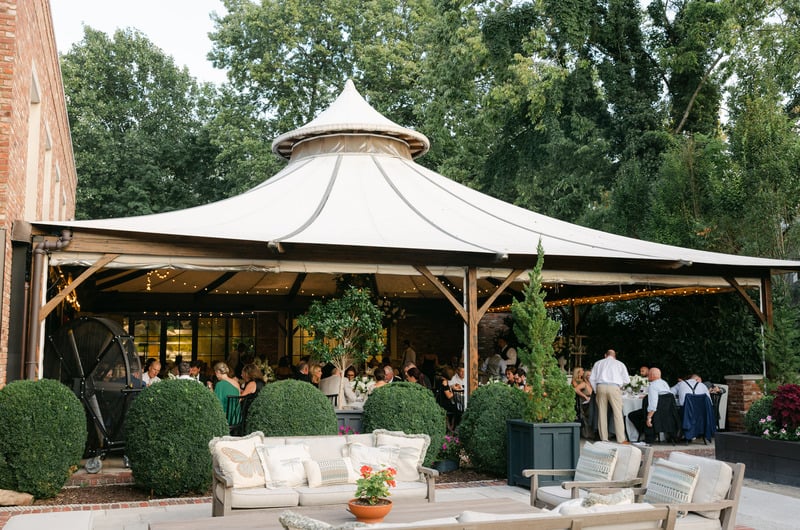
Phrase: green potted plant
(547, 437)
(346, 330)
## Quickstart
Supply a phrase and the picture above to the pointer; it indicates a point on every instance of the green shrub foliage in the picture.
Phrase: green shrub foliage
(168, 429)
(759, 409)
(407, 407)
(483, 427)
(291, 408)
(43, 426)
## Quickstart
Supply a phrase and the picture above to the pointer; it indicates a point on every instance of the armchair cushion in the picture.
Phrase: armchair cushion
(714, 482)
(596, 463)
(238, 458)
(671, 482)
(629, 460)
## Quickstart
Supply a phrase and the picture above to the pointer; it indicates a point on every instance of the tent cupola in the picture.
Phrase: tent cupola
(350, 124)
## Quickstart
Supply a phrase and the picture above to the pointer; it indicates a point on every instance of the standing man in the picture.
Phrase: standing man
(508, 353)
(608, 377)
(409, 354)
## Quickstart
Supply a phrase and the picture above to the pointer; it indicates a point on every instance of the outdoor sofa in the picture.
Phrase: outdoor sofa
(266, 472)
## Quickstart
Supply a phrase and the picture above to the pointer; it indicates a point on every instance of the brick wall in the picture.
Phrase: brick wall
(28, 52)
(743, 390)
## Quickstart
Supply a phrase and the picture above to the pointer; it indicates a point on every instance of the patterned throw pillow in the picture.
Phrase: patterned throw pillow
(330, 472)
(294, 521)
(412, 451)
(671, 483)
(596, 463)
(239, 459)
(284, 464)
(374, 457)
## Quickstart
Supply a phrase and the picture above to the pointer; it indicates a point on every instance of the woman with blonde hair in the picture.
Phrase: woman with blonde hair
(226, 386)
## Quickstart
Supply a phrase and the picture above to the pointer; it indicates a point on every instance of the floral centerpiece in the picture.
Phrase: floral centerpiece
(638, 384)
(373, 486)
(362, 385)
(266, 369)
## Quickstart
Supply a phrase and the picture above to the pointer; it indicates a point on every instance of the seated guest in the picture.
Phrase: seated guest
(421, 378)
(253, 379)
(413, 375)
(580, 386)
(330, 387)
(380, 378)
(494, 366)
(350, 373)
(457, 382)
(302, 372)
(644, 371)
(691, 385)
(225, 386)
(510, 375)
(656, 389)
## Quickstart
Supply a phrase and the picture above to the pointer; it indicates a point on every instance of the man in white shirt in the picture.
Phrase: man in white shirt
(151, 375)
(608, 377)
(508, 353)
(409, 354)
(691, 385)
(457, 382)
(656, 388)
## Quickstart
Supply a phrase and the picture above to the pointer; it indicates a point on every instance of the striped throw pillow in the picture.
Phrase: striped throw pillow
(330, 472)
(671, 483)
(596, 463)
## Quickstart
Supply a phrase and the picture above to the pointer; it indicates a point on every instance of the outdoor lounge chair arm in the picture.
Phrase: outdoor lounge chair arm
(430, 479)
(702, 506)
(533, 474)
(599, 484)
(221, 476)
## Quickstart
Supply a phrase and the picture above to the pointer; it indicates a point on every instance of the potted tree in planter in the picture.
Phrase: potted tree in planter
(547, 437)
(346, 330)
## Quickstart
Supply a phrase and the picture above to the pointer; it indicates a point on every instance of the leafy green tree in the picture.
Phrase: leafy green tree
(138, 138)
(346, 330)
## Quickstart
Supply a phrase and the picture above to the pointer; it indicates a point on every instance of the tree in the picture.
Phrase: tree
(551, 398)
(137, 133)
(346, 330)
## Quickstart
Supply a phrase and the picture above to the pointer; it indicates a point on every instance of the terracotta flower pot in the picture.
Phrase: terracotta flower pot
(369, 513)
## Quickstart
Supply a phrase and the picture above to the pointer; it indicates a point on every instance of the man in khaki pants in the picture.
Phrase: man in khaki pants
(608, 377)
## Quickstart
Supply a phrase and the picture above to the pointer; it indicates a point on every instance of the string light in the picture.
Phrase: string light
(633, 295)
(158, 275)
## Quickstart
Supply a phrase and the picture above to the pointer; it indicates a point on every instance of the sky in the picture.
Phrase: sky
(179, 27)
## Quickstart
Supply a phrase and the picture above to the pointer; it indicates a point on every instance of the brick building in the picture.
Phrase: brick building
(37, 169)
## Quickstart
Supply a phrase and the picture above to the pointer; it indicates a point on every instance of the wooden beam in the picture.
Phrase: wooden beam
(119, 280)
(222, 278)
(474, 316)
(444, 290)
(497, 292)
(749, 301)
(766, 300)
(57, 299)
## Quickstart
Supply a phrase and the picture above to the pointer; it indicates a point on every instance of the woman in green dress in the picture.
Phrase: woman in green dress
(227, 386)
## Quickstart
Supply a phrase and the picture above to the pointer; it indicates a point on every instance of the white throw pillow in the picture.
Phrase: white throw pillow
(412, 451)
(374, 457)
(284, 464)
(330, 472)
(671, 483)
(596, 463)
(238, 458)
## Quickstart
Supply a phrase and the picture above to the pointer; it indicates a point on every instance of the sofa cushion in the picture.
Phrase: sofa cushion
(671, 482)
(284, 465)
(238, 459)
(342, 493)
(629, 460)
(714, 482)
(596, 463)
(330, 472)
(412, 451)
(555, 495)
(260, 497)
(374, 457)
(321, 447)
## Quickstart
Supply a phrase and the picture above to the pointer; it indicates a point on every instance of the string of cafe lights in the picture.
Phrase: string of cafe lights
(633, 295)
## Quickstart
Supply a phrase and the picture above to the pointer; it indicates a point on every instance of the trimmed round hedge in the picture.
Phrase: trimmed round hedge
(291, 408)
(407, 407)
(168, 428)
(483, 426)
(758, 409)
(43, 427)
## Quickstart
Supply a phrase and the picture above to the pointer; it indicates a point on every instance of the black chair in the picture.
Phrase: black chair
(666, 420)
(334, 398)
(237, 413)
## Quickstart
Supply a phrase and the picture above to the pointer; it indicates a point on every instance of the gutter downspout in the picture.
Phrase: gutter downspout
(34, 327)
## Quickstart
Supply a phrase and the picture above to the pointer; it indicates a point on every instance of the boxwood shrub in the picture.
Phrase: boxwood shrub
(43, 426)
(291, 408)
(483, 426)
(758, 409)
(168, 428)
(407, 407)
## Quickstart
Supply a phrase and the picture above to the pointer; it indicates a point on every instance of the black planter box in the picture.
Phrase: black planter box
(541, 446)
(775, 461)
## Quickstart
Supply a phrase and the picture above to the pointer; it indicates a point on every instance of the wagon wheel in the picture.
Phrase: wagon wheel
(97, 359)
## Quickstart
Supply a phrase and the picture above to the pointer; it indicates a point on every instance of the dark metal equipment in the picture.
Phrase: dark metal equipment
(97, 359)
